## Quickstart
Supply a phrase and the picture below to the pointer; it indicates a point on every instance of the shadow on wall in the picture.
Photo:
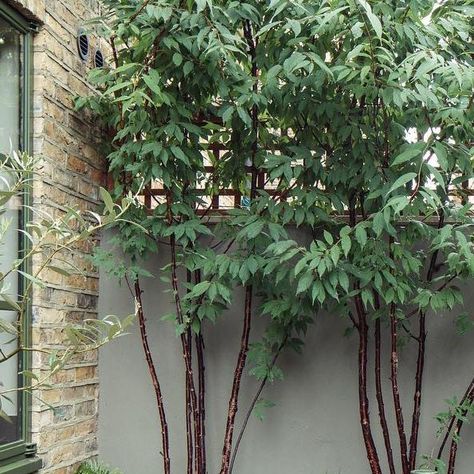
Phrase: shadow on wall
(314, 427)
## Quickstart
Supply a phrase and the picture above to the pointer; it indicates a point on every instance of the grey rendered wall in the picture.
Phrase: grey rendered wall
(313, 429)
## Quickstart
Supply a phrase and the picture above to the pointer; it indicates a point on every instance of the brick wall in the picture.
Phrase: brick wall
(72, 173)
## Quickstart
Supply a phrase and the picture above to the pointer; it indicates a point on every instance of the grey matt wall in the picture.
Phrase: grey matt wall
(314, 427)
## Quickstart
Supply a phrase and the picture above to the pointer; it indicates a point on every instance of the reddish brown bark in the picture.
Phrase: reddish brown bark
(379, 396)
(233, 401)
(189, 410)
(154, 379)
(417, 398)
(201, 404)
(364, 411)
(200, 432)
(396, 390)
(363, 330)
(201, 409)
(185, 346)
(420, 363)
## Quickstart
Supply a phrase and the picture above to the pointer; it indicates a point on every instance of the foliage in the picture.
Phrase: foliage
(359, 113)
(48, 240)
(96, 468)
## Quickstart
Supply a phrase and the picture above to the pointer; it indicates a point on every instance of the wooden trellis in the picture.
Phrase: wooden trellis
(229, 198)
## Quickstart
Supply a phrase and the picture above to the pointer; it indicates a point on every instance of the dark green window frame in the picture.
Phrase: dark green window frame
(19, 457)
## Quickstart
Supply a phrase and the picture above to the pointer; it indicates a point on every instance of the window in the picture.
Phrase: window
(10, 119)
(16, 455)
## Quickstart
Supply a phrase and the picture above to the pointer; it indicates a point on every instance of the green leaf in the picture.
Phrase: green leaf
(346, 244)
(409, 153)
(201, 5)
(401, 181)
(328, 237)
(178, 152)
(254, 229)
(200, 288)
(9, 328)
(10, 302)
(29, 374)
(295, 26)
(177, 59)
(300, 265)
(188, 67)
(344, 281)
(107, 198)
(32, 278)
(152, 81)
(61, 271)
(374, 21)
(335, 253)
(361, 235)
(260, 406)
(304, 283)
(378, 224)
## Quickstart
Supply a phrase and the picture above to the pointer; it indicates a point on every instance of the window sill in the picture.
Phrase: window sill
(22, 466)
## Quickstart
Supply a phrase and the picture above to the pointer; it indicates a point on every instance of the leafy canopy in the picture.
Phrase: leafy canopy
(360, 114)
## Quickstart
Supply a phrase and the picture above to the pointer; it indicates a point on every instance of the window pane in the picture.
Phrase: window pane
(10, 131)
(10, 77)
(9, 430)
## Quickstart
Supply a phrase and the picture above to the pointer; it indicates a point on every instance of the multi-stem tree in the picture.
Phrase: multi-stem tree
(358, 116)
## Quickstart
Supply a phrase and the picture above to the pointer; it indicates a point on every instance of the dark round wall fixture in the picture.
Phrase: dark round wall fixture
(82, 44)
(99, 60)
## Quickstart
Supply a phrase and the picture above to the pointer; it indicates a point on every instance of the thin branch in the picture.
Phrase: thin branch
(396, 390)
(199, 339)
(189, 377)
(233, 401)
(379, 391)
(189, 409)
(420, 363)
(457, 430)
(364, 411)
(252, 406)
(154, 378)
(202, 397)
(469, 389)
(244, 342)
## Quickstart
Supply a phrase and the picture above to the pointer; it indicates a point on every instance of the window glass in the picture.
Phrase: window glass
(10, 131)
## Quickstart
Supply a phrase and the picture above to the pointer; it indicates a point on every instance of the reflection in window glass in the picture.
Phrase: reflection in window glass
(10, 77)
(10, 131)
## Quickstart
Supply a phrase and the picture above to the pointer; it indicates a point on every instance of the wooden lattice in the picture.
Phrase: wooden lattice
(229, 198)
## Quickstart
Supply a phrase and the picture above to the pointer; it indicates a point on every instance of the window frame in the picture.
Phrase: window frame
(18, 457)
